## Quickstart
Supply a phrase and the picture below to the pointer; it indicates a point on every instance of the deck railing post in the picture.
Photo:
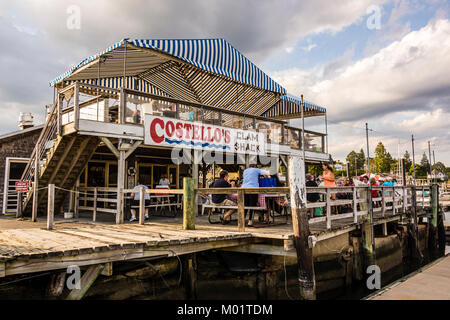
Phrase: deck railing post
(328, 209)
(19, 205)
(241, 210)
(50, 206)
(393, 200)
(94, 212)
(35, 185)
(141, 205)
(77, 199)
(355, 206)
(383, 202)
(189, 196)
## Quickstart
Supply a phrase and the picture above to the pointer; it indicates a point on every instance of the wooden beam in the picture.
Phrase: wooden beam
(107, 270)
(75, 160)
(86, 282)
(135, 145)
(141, 205)
(110, 146)
(19, 212)
(62, 159)
(241, 210)
(120, 186)
(265, 249)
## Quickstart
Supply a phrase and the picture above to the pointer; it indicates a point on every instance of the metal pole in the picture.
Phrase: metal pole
(429, 158)
(414, 161)
(370, 190)
(434, 164)
(303, 131)
(326, 133)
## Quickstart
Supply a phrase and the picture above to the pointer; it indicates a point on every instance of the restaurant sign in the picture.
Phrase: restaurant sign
(169, 132)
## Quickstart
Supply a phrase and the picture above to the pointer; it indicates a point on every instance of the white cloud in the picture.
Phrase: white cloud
(407, 75)
(309, 47)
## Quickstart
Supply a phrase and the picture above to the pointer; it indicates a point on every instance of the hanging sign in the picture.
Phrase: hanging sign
(162, 131)
(21, 186)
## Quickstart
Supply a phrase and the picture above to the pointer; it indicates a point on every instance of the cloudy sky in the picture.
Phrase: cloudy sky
(385, 62)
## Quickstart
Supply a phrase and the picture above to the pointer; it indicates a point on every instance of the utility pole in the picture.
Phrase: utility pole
(429, 158)
(414, 161)
(434, 165)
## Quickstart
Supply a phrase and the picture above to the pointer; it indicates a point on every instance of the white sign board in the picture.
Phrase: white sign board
(169, 132)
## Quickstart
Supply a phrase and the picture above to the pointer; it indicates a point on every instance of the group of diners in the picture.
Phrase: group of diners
(251, 179)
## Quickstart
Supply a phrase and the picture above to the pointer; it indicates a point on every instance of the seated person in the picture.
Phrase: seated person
(311, 197)
(277, 203)
(164, 181)
(136, 199)
(221, 199)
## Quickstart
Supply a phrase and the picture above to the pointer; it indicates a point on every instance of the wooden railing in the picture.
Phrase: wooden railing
(390, 201)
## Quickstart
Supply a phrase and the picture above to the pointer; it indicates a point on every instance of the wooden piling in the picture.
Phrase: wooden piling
(412, 228)
(433, 221)
(51, 206)
(188, 203)
(300, 224)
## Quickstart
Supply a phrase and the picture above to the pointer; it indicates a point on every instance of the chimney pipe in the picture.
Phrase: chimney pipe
(25, 120)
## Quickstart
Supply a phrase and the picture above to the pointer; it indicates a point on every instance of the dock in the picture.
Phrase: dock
(429, 283)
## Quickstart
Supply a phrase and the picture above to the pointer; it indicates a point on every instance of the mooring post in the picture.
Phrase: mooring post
(190, 276)
(367, 235)
(433, 221)
(300, 224)
(188, 203)
(51, 206)
(412, 228)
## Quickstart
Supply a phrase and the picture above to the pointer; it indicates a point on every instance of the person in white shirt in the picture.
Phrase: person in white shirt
(136, 199)
(163, 181)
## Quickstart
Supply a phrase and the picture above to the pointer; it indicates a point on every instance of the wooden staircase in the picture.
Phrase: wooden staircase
(62, 166)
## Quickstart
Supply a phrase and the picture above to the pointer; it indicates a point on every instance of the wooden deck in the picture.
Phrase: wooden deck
(29, 247)
(433, 283)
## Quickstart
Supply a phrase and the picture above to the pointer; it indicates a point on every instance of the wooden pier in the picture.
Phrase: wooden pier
(429, 283)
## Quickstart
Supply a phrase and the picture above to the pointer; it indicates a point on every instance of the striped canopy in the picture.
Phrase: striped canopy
(206, 71)
(289, 107)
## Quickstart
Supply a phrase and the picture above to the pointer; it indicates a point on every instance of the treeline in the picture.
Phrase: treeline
(383, 162)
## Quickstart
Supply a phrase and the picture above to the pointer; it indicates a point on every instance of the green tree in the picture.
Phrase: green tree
(361, 161)
(382, 159)
(439, 167)
(408, 161)
(421, 171)
(425, 163)
(352, 160)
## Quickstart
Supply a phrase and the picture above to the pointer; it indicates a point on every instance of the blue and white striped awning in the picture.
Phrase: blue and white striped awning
(208, 71)
(289, 107)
